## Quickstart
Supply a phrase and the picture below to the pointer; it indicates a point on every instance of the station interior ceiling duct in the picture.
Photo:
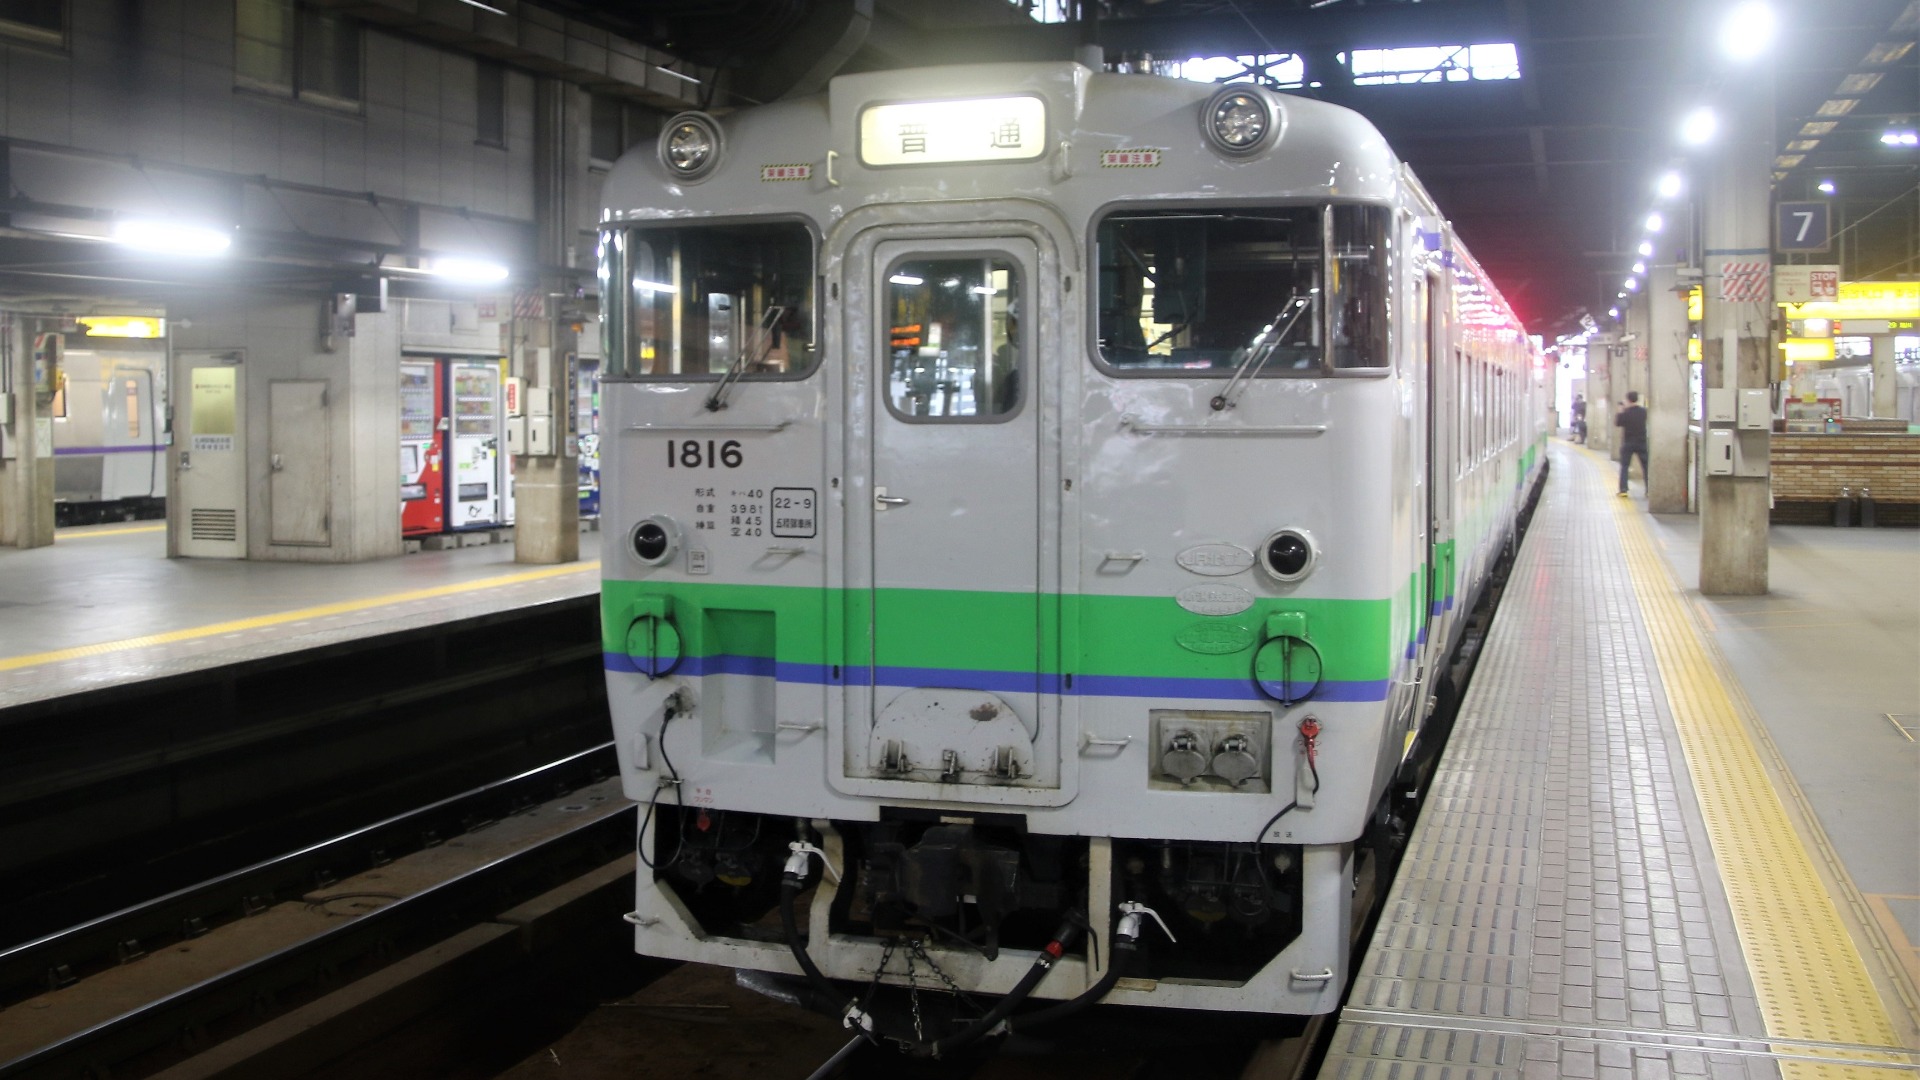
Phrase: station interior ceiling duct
(1547, 177)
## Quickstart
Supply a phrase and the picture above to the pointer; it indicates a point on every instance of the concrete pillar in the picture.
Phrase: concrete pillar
(26, 442)
(1885, 383)
(1601, 365)
(1736, 338)
(1635, 362)
(546, 525)
(1666, 393)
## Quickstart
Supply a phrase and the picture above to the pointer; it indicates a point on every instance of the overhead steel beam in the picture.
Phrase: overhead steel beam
(1295, 30)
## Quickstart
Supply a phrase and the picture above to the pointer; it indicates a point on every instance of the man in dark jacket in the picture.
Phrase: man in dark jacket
(1632, 422)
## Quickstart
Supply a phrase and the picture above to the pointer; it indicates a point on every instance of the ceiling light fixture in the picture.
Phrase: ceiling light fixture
(172, 237)
(468, 271)
(1747, 31)
(1669, 185)
(1699, 126)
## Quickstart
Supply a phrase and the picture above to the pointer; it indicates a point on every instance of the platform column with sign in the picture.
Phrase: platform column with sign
(27, 384)
(1737, 356)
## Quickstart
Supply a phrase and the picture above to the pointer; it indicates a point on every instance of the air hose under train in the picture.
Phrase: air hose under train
(1126, 938)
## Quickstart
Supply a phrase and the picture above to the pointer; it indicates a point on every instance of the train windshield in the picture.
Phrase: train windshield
(698, 301)
(1301, 289)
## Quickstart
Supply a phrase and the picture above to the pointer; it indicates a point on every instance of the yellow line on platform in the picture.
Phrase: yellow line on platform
(1810, 979)
(15, 663)
(76, 534)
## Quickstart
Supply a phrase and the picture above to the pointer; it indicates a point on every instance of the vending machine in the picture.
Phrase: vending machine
(423, 486)
(586, 398)
(475, 471)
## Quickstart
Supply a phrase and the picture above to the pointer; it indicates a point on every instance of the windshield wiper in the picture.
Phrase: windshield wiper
(754, 351)
(1260, 352)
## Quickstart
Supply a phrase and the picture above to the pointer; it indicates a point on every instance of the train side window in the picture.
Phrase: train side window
(954, 345)
(1358, 271)
(692, 303)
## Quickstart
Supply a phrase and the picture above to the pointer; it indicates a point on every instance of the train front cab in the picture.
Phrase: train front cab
(953, 550)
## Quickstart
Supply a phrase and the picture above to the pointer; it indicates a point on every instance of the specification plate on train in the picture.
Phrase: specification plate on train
(792, 511)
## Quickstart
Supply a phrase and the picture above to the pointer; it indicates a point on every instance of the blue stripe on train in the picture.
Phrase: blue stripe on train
(998, 681)
(62, 451)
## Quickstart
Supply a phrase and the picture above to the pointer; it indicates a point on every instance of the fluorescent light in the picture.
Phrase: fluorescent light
(984, 290)
(1826, 187)
(907, 279)
(1900, 138)
(1646, 248)
(640, 285)
(1631, 284)
(1655, 222)
(1639, 268)
(172, 238)
(469, 271)
(1747, 31)
(1614, 311)
(1699, 126)
(1669, 185)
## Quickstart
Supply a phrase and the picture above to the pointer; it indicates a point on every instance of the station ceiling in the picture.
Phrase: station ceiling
(1547, 177)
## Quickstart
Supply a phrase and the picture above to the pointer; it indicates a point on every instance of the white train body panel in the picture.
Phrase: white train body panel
(1067, 582)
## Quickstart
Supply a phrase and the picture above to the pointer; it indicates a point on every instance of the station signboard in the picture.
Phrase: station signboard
(1805, 284)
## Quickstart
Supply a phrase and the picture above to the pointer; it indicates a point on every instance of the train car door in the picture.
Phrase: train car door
(960, 597)
(423, 483)
(132, 432)
(211, 468)
(1442, 415)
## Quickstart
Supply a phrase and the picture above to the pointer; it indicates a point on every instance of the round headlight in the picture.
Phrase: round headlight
(1240, 120)
(655, 540)
(1288, 555)
(690, 145)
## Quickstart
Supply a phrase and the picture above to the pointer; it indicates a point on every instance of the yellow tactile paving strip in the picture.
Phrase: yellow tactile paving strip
(14, 663)
(1810, 980)
(89, 534)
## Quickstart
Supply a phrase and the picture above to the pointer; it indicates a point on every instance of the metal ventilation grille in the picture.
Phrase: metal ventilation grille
(215, 525)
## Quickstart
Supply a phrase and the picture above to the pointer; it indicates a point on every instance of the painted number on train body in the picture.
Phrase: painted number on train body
(704, 454)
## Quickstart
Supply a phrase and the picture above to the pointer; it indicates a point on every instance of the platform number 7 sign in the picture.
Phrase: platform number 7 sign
(1802, 226)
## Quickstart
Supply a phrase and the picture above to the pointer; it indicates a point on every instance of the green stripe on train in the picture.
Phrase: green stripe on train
(985, 631)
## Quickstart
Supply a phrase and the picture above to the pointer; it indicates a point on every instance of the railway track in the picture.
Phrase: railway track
(475, 881)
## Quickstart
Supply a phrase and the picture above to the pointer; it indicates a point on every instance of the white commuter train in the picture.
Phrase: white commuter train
(1042, 500)
(109, 432)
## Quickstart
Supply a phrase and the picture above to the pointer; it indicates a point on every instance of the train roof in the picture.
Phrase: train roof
(1096, 138)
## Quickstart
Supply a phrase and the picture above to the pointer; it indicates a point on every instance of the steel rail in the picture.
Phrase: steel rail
(175, 915)
(487, 888)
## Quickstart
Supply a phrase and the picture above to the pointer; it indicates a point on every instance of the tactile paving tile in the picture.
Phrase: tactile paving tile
(1558, 912)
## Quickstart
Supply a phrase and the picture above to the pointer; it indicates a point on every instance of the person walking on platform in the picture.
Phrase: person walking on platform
(1578, 432)
(1632, 422)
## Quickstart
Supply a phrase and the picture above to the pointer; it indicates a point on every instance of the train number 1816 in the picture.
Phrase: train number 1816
(694, 454)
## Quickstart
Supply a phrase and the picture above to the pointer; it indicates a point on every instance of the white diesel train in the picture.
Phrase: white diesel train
(1041, 501)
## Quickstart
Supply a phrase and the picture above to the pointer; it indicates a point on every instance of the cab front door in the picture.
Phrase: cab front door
(960, 704)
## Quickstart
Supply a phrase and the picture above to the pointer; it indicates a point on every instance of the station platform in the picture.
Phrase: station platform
(103, 605)
(1672, 835)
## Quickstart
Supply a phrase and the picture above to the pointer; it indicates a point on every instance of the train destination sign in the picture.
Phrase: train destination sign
(968, 129)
